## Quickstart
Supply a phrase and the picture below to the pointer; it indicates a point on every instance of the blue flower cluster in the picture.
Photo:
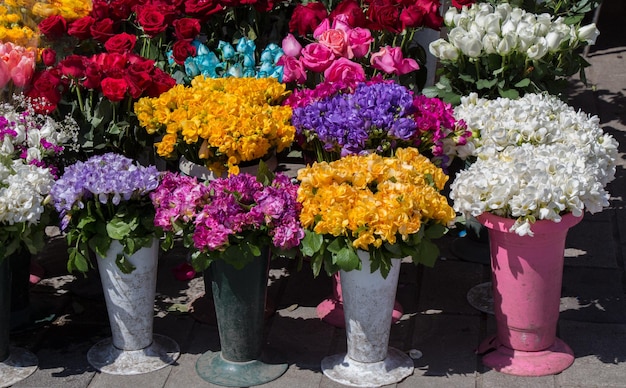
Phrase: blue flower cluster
(238, 62)
(108, 178)
(375, 118)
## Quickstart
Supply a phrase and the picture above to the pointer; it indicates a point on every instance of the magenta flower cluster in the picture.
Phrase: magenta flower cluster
(227, 207)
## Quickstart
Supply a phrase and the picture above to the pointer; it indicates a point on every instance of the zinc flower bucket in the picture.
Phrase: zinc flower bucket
(527, 274)
(239, 296)
(368, 305)
(133, 348)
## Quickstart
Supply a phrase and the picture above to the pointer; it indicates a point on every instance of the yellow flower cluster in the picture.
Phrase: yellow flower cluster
(14, 30)
(38, 10)
(373, 199)
(219, 121)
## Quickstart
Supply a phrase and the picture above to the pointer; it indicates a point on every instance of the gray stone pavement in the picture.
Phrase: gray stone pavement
(438, 320)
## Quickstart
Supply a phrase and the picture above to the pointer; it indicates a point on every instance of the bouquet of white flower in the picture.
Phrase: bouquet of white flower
(505, 51)
(536, 158)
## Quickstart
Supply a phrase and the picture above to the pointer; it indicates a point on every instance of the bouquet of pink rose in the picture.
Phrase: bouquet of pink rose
(355, 40)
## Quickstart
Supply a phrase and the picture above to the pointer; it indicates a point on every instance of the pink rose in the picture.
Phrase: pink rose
(359, 40)
(317, 57)
(291, 47)
(344, 70)
(337, 41)
(391, 61)
(293, 70)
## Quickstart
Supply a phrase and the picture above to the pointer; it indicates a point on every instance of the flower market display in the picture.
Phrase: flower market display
(536, 158)
(389, 206)
(103, 199)
(501, 50)
(219, 122)
(339, 119)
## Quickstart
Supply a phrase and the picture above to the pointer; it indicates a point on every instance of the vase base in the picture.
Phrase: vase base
(106, 358)
(331, 311)
(213, 368)
(20, 364)
(394, 368)
(553, 360)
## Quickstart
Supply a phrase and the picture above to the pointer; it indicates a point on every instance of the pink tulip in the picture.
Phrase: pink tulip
(17, 64)
(391, 61)
(291, 46)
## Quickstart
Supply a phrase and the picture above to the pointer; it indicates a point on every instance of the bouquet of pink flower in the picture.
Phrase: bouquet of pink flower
(17, 66)
(356, 40)
(231, 218)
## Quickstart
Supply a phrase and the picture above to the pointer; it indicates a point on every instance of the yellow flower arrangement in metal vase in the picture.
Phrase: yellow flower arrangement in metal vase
(389, 206)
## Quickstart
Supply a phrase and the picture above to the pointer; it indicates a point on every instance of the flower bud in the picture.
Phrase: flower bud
(588, 33)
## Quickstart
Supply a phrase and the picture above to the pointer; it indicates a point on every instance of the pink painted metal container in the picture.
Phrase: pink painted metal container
(527, 274)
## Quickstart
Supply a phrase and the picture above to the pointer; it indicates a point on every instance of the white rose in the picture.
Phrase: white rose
(588, 33)
(537, 50)
(490, 43)
(471, 46)
(443, 50)
(507, 44)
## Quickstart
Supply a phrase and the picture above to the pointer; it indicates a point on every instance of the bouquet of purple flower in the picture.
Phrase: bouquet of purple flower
(333, 121)
(230, 219)
(103, 199)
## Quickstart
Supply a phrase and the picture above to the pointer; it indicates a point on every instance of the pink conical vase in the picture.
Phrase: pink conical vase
(527, 273)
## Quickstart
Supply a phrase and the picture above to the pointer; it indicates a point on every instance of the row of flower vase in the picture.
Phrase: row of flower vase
(526, 273)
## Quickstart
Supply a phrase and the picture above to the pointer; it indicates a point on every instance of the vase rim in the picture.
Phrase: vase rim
(504, 224)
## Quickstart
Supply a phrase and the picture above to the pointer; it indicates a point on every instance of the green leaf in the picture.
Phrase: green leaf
(427, 253)
(100, 244)
(486, 83)
(311, 243)
(435, 231)
(523, 83)
(509, 93)
(85, 220)
(123, 264)
(76, 261)
(118, 228)
(347, 259)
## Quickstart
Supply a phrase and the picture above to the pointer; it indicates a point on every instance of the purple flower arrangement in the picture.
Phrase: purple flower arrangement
(231, 218)
(103, 199)
(336, 120)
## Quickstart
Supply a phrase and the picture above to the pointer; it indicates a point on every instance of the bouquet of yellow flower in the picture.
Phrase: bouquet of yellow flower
(219, 122)
(389, 206)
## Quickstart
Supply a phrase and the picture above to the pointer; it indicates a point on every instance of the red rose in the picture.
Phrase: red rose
(161, 83)
(181, 50)
(102, 30)
(460, 3)
(262, 5)
(45, 91)
(114, 65)
(120, 9)
(352, 11)
(431, 16)
(152, 19)
(114, 88)
(73, 66)
(306, 17)
(384, 16)
(93, 76)
(121, 43)
(53, 26)
(186, 28)
(81, 28)
(138, 78)
(49, 57)
(411, 16)
(202, 9)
